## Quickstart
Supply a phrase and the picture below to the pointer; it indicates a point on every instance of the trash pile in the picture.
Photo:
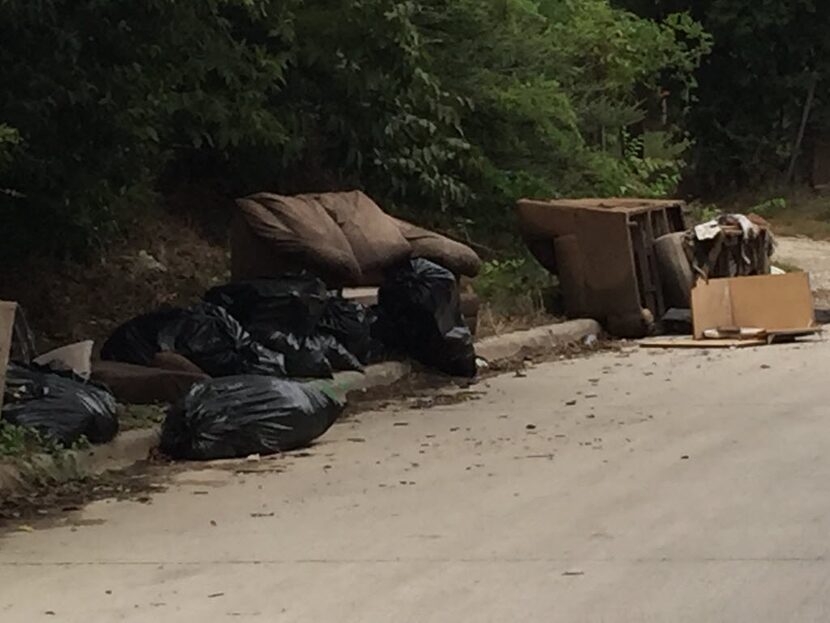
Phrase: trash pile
(732, 245)
(233, 365)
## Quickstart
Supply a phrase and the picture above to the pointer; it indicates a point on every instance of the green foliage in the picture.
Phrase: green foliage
(14, 440)
(770, 207)
(755, 87)
(20, 442)
(453, 106)
(516, 285)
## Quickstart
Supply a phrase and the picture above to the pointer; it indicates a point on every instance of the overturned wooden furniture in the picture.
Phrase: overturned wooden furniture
(603, 251)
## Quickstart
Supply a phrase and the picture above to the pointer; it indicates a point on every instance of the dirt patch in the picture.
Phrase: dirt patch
(50, 501)
(164, 259)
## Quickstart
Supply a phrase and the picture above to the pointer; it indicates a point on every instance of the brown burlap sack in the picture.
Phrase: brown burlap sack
(375, 238)
(455, 256)
(287, 234)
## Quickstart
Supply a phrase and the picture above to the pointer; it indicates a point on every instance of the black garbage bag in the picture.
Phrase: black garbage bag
(316, 356)
(137, 340)
(291, 304)
(338, 357)
(419, 315)
(243, 415)
(60, 406)
(303, 359)
(209, 337)
(350, 323)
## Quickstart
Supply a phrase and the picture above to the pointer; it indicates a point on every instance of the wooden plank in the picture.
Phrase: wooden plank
(7, 311)
(692, 343)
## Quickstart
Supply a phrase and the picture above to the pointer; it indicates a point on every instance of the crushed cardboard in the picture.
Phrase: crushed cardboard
(741, 312)
(774, 303)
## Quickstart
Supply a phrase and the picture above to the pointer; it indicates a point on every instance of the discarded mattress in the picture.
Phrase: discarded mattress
(344, 238)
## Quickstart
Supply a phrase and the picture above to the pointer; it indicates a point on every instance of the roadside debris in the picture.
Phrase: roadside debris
(239, 416)
(223, 361)
(632, 263)
(740, 312)
(604, 253)
(61, 406)
(731, 245)
(419, 315)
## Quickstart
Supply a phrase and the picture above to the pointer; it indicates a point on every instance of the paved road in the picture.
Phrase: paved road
(680, 486)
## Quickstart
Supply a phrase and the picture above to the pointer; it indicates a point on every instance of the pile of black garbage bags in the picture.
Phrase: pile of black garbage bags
(257, 339)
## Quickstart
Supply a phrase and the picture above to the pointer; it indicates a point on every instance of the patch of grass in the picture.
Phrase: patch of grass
(19, 442)
(132, 417)
(804, 216)
(516, 293)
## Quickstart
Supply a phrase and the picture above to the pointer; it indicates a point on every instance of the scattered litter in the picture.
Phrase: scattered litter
(573, 573)
(590, 340)
(214, 595)
(76, 358)
(238, 416)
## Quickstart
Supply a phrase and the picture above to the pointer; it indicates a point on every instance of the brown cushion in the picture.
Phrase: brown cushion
(298, 232)
(374, 236)
(175, 363)
(142, 385)
(452, 255)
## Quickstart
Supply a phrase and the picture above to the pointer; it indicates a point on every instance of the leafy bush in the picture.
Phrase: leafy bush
(458, 106)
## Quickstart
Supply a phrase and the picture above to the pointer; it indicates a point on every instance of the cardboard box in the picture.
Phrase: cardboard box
(6, 327)
(778, 304)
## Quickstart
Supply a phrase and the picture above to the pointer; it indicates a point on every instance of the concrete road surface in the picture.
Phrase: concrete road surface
(635, 486)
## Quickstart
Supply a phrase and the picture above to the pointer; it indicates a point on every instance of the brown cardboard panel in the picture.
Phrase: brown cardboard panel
(774, 302)
(6, 325)
(771, 302)
(711, 306)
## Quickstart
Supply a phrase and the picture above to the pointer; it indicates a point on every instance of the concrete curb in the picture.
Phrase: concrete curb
(134, 446)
